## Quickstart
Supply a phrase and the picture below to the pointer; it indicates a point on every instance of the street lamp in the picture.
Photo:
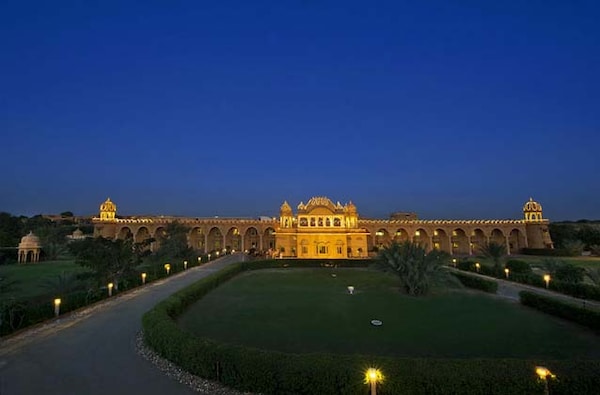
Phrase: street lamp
(547, 280)
(543, 373)
(110, 288)
(57, 307)
(167, 268)
(477, 266)
(506, 271)
(372, 377)
(143, 278)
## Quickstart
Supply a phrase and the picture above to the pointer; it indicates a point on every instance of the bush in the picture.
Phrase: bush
(549, 305)
(271, 372)
(466, 265)
(557, 252)
(467, 280)
(518, 267)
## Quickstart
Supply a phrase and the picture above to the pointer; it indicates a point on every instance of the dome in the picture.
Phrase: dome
(285, 207)
(108, 205)
(532, 206)
(30, 241)
(77, 233)
(350, 207)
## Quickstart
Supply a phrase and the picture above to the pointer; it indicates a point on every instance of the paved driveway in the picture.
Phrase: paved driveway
(94, 352)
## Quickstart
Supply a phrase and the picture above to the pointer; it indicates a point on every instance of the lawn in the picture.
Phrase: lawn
(31, 278)
(309, 310)
(581, 261)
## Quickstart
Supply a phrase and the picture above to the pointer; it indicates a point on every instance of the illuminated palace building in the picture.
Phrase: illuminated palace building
(323, 229)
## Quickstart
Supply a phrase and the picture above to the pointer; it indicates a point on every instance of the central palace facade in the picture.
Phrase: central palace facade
(323, 229)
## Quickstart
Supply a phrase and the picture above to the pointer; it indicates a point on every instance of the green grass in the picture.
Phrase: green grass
(30, 278)
(583, 261)
(308, 310)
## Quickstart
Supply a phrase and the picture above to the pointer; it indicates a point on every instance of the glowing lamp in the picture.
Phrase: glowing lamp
(167, 268)
(143, 278)
(57, 307)
(506, 272)
(372, 377)
(184, 265)
(110, 288)
(547, 279)
(477, 266)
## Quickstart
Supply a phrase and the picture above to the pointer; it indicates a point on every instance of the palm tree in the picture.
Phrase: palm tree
(417, 269)
(496, 252)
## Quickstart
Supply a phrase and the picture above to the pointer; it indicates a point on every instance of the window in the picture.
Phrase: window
(339, 250)
(337, 222)
(312, 222)
(320, 221)
(327, 222)
(304, 250)
(322, 249)
(303, 221)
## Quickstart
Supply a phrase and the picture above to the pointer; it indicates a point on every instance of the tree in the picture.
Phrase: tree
(417, 269)
(496, 252)
(110, 260)
(564, 271)
(63, 284)
(173, 243)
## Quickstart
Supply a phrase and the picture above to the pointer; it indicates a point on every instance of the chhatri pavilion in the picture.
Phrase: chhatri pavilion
(324, 229)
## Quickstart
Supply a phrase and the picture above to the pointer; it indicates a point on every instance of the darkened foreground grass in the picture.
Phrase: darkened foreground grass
(309, 310)
(274, 372)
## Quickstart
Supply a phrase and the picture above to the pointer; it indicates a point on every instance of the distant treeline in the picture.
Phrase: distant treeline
(576, 236)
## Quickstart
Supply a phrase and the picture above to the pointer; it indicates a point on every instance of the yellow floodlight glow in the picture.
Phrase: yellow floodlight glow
(167, 267)
(184, 265)
(547, 279)
(477, 266)
(57, 307)
(110, 288)
(543, 372)
(506, 272)
(143, 278)
(372, 377)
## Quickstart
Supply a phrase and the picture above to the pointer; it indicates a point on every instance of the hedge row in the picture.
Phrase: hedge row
(271, 372)
(470, 281)
(580, 315)
(557, 252)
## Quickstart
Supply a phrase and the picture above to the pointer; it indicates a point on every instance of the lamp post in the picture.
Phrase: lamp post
(209, 257)
(543, 373)
(184, 265)
(547, 280)
(454, 262)
(143, 278)
(506, 272)
(110, 288)
(57, 307)
(167, 268)
(477, 266)
(199, 260)
(372, 377)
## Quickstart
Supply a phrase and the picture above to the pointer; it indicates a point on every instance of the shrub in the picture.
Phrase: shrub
(467, 280)
(517, 266)
(567, 311)
(557, 252)
(466, 265)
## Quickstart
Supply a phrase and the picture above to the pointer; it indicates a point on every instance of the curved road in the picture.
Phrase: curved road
(94, 352)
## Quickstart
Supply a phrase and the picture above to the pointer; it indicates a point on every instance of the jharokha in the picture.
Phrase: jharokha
(323, 229)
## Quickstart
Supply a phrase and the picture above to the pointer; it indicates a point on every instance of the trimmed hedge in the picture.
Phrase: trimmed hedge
(470, 281)
(272, 372)
(579, 315)
(545, 252)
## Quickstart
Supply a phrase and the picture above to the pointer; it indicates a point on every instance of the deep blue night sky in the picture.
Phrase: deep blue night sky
(450, 109)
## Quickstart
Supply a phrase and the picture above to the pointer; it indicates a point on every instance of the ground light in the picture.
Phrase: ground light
(184, 265)
(199, 260)
(547, 280)
(57, 307)
(110, 288)
(143, 278)
(372, 377)
(454, 262)
(167, 268)
(543, 373)
(477, 266)
(506, 272)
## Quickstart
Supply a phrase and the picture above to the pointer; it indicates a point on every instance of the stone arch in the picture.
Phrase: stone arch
(159, 234)
(478, 240)
(215, 240)
(421, 237)
(382, 238)
(516, 241)
(441, 241)
(125, 233)
(233, 239)
(197, 239)
(142, 234)
(497, 236)
(460, 242)
(401, 235)
(269, 239)
(251, 238)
